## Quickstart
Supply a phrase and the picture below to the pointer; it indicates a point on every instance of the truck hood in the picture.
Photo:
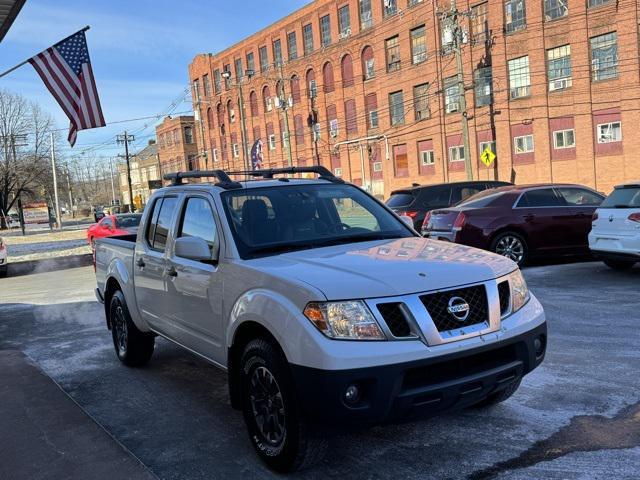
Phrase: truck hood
(386, 268)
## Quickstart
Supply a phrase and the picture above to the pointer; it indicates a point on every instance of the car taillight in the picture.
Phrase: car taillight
(460, 221)
(410, 213)
(635, 217)
(427, 217)
(594, 217)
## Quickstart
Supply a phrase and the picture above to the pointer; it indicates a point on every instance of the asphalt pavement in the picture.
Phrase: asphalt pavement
(575, 417)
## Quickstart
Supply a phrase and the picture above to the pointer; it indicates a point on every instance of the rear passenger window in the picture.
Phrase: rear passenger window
(543, 197)
(198, 221)
(161, 222)
(435, 197)
(580, 197)
(463, 192)
(151, 228)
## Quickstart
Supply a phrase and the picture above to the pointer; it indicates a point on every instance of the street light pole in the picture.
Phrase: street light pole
(285, 106)
(125, 139)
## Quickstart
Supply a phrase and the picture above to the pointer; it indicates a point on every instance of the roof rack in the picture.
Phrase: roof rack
(224, 181)
(322, 172)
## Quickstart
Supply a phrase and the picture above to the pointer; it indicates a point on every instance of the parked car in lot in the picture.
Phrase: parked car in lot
(416, 201)
(112, 225)
(615, 235)
(520, 222)
(323, 306)
(3, 258)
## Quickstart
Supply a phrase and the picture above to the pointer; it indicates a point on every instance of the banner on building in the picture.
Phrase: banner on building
(257, 156)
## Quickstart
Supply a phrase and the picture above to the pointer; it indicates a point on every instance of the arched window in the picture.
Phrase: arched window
(299, 129)
(231, 114)
(253, 103)
(220, 114)
(327, 77)
(210, 118)
(295, 89)
(266, 98)
(368, 63)
(309, 78)
(346, 67)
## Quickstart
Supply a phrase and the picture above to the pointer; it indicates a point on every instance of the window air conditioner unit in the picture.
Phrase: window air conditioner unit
(269, 105)
(346, 33)
(559, 84)
(452, 107)
(276, 102)
(313, 89)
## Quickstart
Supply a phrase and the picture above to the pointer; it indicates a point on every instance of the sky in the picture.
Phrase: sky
(140, 51)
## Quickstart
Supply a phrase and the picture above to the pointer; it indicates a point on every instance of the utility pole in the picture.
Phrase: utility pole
(313, 120)
(198, 117)
(73, 213)
(55, 181)
(125, 139)
(284, 103)
(451, 22)
(113, 188)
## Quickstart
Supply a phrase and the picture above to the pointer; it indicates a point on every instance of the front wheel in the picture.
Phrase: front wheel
(278, 433)
(510, 245)
(133, 347)
(619, 264)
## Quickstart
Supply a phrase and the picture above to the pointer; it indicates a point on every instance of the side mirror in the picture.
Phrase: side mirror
(407, 219)
(194, 248)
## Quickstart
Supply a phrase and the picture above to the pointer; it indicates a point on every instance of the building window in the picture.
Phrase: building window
(515, 15)
(253, 104)
(327, 77)
(389, 7)
(346, 66)
(595, 3)
(456, 153)
(217, 81)
(609, 132)
(373, 119)
(396, 108)
(277, 52)
(351, 116)
(188, 135)
(307, 38)
(483, 86)
(412, 3)
(264, 58)
(604, 56)
(272, 141)
(491, 145)
(519, 78)
(400, 160)
(377, 166)
(238, 68)
(251, 63)
(418, 45)
(215, 155)
(446, 38)
(426, 157)
(479, 23)
(325, 30)
(368, 63)
(523, 144)
(392, 48)
(207, 85)
(554, 9)
(559, 67)
(366, 19)
(451, 95)
(292, 46)
(371, 107)
(285, 140)
(344, 21)
(421, 101)
(235, 150)
(227, 78)
(337, 172)
(564, 139)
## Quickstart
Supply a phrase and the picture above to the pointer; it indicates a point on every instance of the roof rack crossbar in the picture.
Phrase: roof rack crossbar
(224, 181)
(322, 172)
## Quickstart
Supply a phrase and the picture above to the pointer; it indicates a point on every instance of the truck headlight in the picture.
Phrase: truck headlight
(350, 320)
(519, 291)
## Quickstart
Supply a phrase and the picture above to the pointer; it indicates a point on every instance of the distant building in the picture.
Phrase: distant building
(145, 176)
(177, 147)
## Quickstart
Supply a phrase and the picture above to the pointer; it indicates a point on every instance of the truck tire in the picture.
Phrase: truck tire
(619, 264)
(500, 396)
(278, 433)
(133, 347)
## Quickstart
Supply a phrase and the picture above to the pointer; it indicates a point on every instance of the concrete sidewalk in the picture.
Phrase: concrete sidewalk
(44, 434)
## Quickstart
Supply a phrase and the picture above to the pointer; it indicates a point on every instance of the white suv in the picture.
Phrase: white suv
(615, 234)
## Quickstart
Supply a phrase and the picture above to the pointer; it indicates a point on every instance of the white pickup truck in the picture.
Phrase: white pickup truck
(322, 305)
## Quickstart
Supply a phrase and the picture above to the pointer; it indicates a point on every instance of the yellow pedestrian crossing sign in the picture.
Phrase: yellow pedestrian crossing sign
(487, 157)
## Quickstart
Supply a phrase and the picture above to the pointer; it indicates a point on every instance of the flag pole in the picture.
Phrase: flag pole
(27, 61)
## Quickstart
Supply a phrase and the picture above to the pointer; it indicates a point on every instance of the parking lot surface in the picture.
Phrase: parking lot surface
(575, 417)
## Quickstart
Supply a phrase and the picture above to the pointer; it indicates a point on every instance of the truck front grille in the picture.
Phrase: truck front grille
(439, 306)
(395, 319)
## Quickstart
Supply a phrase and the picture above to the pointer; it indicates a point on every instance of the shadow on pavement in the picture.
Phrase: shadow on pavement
(18, 269)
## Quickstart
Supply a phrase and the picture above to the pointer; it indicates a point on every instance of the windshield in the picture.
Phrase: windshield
(128, 221)
(628, 197)
(272, 220)
(400, 199)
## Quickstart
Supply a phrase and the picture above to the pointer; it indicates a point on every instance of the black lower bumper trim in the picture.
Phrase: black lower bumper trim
(419, 388)
(620, 256)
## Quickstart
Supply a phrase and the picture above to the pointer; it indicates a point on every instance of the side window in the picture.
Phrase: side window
(543, 197)
(353, 214)
(436, 197)
(151, 227)
(107, 223)
(164, 223)
(579, 197)
(463, 192)
(198, 221)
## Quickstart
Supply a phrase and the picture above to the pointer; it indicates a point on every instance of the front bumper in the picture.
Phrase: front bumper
(417, 388)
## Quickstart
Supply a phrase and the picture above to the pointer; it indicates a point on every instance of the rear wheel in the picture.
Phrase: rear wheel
(511, 245)
(619, 264)
(133, 347)
(278, 433)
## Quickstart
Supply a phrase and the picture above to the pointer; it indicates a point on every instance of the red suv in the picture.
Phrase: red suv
(521, 221)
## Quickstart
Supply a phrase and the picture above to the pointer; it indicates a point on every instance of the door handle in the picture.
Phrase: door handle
(171, 272)
(140, 263)
(528, 217)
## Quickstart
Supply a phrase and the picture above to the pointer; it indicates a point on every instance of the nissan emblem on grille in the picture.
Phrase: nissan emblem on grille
(459, 308)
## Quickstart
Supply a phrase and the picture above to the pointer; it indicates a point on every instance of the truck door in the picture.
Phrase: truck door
(195, 287)
(149, 264)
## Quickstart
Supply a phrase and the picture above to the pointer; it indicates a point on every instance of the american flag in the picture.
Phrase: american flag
(66, 71)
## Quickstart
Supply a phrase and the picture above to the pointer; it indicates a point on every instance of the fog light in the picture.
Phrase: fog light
(539, 345)
(352, 394)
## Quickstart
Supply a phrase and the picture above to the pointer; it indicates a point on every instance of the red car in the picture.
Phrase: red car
(520, 221)
(112, 225)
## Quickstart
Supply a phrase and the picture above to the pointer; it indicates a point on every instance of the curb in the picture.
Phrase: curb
(18, 269)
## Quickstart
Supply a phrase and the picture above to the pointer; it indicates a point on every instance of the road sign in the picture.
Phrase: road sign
(37, 212)
(487, 157)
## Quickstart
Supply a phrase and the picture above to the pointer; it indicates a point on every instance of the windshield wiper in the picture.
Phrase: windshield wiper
(619, 205)
(281, 248)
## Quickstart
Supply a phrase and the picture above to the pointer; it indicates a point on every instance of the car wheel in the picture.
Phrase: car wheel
(278, 433)
(511, 245)
(619, 264)
(500, 396)
(133, 347)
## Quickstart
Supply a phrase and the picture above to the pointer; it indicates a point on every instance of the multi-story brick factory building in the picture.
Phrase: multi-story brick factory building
(177, 149)
(552, 87)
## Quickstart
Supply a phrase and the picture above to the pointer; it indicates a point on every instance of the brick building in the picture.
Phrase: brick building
(177, 149)
(552, 87)
(145, 174)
